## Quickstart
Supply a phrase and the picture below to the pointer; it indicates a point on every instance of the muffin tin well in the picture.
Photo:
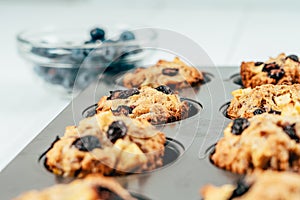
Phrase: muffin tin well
(223, 109)
(207, 77)
(194, 109)
(236, 79)
(184, 173)
(173, 150)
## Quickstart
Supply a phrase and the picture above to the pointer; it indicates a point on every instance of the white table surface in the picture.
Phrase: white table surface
(230, 31)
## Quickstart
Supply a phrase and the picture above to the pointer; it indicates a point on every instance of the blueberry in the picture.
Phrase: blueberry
(242, 188)
(97, 34)
(258, 63)
(87, 143)
(116, 130)
(239, 125)
(274, 112)
(291, 132)
(127, 35)
(258, 111)
(164, 89)
(170, 71)
(122, 94)
(270, 66)
(276, 74)
(123, 110)
(293, 57)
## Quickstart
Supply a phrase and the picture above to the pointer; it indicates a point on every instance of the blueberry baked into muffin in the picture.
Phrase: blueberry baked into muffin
(175, 74)
(264, 141)
(276, 99)
(93, 187)
(157, 105)
(106, 144)
(267, 185)
(280, 70)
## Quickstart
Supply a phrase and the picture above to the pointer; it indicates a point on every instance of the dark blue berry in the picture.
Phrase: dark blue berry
(116, 130)
(242, 188)
(97, 34)
(239, 125)
(122, 94)
(274, 112)
(258, 111)
(164, 89)
(276, 74)
(293, 57)
(258, 63)
(170, 71)
(87, 143)
(291, 132)
(270, 66)
(127, 35)
(122, 110)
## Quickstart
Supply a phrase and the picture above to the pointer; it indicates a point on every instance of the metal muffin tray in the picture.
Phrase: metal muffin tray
(187, 167)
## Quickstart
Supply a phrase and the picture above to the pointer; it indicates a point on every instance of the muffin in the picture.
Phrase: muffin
(93, 187)
(276, 99)
(267, 185)
(280, 70)
(175, 74)
(264, 141)
(156, 105)
(106, 144)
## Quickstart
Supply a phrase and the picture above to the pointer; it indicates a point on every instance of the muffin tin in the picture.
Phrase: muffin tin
(190, 141)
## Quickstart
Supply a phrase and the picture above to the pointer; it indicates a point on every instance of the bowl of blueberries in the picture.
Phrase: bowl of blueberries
(69, 59)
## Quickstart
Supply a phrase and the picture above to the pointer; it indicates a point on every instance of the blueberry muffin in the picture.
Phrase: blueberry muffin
(157, 105)
(264, 141)
(106, 144)
(175, 74)
(280, 70)
(276, 99)
(267, 185)
(93, 187)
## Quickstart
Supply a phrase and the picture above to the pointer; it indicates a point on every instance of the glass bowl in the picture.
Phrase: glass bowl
(60, 56)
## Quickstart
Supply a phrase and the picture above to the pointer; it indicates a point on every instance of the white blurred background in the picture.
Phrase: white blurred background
(230, 31)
